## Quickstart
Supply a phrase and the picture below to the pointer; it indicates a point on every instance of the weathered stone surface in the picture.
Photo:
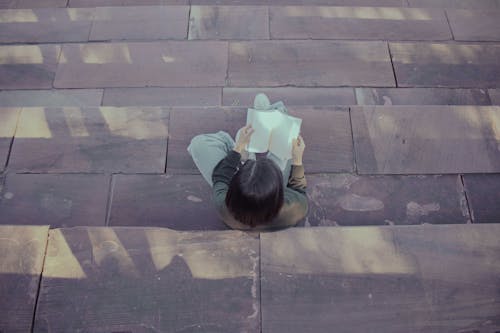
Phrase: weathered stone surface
(57, 200)
(32, 3)
(184, 127)
(140, 280)
(102, 3)
(304, 22)
(229, 22)
(446, 65)
(421, 96)
(162, 64)
(290, 96)
(105, 139)
(483, 194)
(8, 123)
(45, 25)
(494, 96)
(152, 22)
(382, 3)
(51, 98)
(23, 250)
(426, 140)
(466, 4)
(180, 202)
(381, 279)
(350, 200)
(468, 25)
(162, 96)
(309, 63)
(28, 66)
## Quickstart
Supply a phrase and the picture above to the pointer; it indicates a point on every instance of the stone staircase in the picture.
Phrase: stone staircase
(99, 100)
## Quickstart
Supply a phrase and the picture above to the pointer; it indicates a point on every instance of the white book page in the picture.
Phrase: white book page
(282, 136)
(262, 123)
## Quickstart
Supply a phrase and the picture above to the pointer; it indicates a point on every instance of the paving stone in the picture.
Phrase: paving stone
(103, 139)
(175, 202)
(426, 140)
(167, 64)
(466, 4)
(185, 124)
(304, 22)
(149, 279)
(28, 66)
(57, 200)
(350, 200)
(309, 63)
(45, 25)
(104, 3)
(381, 279)
(152, 22)
(162, 96)
(51, 98)
(21, 263)
(32, 3)
(382, 3)
(8, 123)
(290, 96)
(421, 96)
(231, 22)
(494, 96)
(483, 194)
(470, 25)
(446, 65)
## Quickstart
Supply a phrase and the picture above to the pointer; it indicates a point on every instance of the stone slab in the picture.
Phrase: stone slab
(351, 200)
(421, 96)
(149, 279)
(468, 25)
(185, 124)
(105, 139)
(57, 200)
(494, 96)
(32, 3)
(180, 202)
(309, 64)
(161, 64)
(8, 123)
(162, 96)
(28, 66)
(45, 25)
(229, 22)
(155, 22)
(483, 194)
(378, 3)
(446, 65)
(307, 22)
(290, 96)
(21, 263)
(426, 140)
(381, 279)
(106, 3)
(51, 98)
(465, 4)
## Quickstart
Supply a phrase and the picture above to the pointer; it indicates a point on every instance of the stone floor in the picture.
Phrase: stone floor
(400, 101)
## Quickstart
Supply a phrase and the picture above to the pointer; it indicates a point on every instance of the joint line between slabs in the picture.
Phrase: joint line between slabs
(40, 282)
(464, 191)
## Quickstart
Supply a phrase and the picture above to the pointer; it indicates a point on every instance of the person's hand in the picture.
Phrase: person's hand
(298, 147)
(244, 138)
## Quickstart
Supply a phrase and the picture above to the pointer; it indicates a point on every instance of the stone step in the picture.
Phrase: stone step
(153, 279)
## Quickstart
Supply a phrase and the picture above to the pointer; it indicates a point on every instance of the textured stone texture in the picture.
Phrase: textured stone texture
(8, 123)
(101, 3)
(147, 279)
(56, 200)
(483, 194)
(167, 64)
(162, 96)
(350, 200)
(51, 98)
(103, 139)
(303, 22)
(431, 140)
(383, 3)
(446, 65)
(381, 279)
(475, 25)
(494, 96)
(32, 3)
(229, 22)
(21, 263)
(466, 4)
(309, 63)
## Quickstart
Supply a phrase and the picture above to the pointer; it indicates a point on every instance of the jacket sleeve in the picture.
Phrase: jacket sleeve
(297, 180)
(222, 175)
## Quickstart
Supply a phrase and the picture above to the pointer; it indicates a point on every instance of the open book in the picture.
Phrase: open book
(274, 132)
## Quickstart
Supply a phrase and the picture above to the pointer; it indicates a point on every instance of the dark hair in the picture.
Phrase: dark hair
(255, 195)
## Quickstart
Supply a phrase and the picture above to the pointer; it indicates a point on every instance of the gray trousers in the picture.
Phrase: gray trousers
(207, 150)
